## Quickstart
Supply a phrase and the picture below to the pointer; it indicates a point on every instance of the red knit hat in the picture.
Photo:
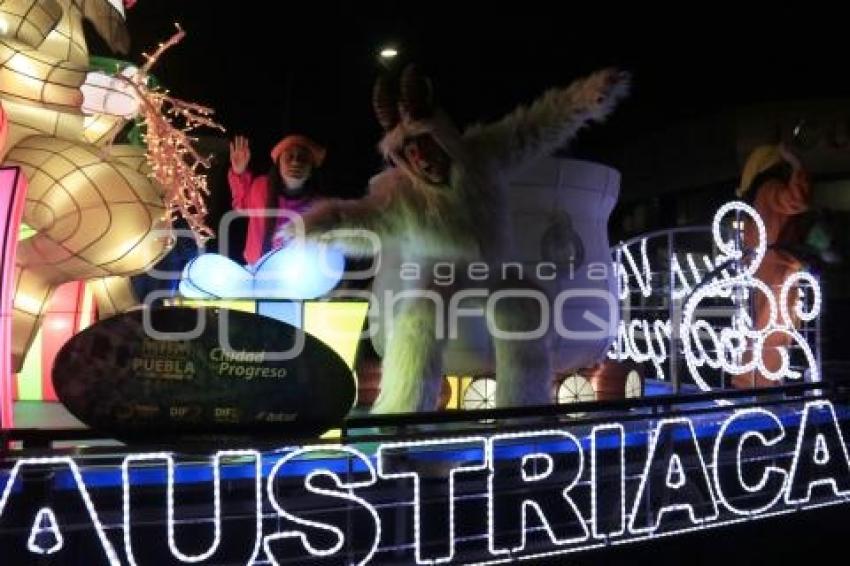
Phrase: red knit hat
(317, 152)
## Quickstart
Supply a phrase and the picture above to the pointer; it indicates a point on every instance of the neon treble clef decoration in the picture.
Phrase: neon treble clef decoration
(728, 344)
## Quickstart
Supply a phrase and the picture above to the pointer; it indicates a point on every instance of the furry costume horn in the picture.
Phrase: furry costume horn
(417, 94)
(384, 103)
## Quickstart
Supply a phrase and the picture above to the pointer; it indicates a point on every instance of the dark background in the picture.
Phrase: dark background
(270, 67)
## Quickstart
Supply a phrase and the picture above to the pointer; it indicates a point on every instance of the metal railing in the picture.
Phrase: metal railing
(668, 258)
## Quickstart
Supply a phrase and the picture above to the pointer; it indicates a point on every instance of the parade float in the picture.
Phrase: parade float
(227, 424)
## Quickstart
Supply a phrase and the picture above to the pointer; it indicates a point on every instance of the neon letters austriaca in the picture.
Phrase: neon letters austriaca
(706, 480)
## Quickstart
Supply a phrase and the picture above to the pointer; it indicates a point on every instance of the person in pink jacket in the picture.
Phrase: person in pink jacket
(289, 185)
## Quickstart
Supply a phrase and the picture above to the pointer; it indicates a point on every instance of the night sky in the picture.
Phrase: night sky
(270, 67)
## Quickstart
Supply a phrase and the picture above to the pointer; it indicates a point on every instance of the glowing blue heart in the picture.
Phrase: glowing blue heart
(296, 272)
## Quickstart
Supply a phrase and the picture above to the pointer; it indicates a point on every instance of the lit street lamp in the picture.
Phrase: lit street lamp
(386, 55)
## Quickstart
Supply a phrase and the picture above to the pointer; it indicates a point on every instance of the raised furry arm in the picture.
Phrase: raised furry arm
(549, 122)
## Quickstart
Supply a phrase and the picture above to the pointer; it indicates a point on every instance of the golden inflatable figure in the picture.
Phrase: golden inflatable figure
(96, 213)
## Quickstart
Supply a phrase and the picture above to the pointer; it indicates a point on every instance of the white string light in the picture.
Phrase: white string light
(656, 438)
(729, 345)
(539, 458)
(575, 476)
(594, 516)
(480, 443)
(793, 477)
(704, 344)
(769, 470)
(643, 275)
(45, 513)
(676, 478)
(65, 461)
(348, 486)
(216, 465)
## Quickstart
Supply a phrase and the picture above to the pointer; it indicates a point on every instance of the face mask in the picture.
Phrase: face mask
(294, 183)
(428, 159)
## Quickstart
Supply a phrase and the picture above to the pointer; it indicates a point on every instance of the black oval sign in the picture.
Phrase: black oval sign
(202, 371)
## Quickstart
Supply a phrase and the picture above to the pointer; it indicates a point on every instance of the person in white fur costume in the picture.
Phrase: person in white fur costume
(443, 199)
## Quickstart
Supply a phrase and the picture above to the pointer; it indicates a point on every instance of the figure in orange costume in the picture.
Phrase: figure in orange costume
(774, 181)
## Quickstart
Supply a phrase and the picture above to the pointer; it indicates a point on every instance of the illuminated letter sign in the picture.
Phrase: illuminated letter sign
(529, 459)
(464, 455)
(675, 477)
(322, 535)
(144, 539)
(486, 498)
